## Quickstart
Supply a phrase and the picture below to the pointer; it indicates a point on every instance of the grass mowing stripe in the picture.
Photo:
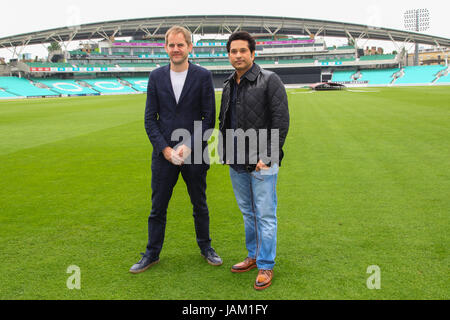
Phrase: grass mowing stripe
(59, 119)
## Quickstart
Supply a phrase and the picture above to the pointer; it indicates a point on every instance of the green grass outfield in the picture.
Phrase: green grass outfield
(365, 181)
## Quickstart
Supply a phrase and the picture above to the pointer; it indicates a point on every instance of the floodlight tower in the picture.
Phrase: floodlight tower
(417, 20)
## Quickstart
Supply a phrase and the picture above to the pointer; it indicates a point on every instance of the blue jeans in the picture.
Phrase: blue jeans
(256, 197)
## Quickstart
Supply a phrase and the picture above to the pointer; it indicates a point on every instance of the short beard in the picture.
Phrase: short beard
(179, 62)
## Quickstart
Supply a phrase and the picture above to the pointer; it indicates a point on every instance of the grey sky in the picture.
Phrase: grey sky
(23, 17)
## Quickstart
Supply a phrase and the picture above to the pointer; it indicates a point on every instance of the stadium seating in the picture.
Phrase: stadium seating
(208, 55)
(66, 86)
(337, 60)
(265, 61)
(378, 76)
(11, 87)
(23, 87)
(341, 76)
(345, 48)
(444, 79)
(377, 57)
(49, 65)
(145, 41)
(419, 74)
(210, 42)
(78, 52)
(290, 61)
(214, 63)
(341, 48)
(96, 65)
(138, 65)
(139, 84)
(4, 94)
(412, 75)
(109, 85)
(124, 53)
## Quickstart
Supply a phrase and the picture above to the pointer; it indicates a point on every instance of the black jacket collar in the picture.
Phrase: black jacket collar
(250, 75)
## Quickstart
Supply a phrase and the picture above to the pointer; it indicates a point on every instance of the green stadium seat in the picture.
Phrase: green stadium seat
(292, 61)
(138, 65)
(262, 62)
(378, 57)
(49, 65)
(213, 63)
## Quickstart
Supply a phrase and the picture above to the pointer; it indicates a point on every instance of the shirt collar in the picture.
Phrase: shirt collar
(250, 75)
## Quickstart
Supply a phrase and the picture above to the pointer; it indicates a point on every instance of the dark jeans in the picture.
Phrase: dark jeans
(164, 178)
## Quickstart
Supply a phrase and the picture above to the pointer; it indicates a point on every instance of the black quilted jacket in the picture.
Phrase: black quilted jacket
(262, 104)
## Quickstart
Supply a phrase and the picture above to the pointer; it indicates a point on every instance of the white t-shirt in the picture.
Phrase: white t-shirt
(178, 79)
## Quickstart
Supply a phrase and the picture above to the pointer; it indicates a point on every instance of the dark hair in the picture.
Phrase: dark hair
(242, 35)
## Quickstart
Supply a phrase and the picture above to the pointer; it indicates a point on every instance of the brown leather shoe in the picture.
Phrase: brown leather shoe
(246, 265)
(264, 279)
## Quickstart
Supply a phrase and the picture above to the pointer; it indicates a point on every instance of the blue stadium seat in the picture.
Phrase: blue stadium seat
(419, 74)
(109, 85)
(139, 84)
(341, 76)
(4, 94)
(63, 86)
(444, 79)
(23, 87)
(378, 77)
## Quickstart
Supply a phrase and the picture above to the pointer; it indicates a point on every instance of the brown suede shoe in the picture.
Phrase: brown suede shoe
(246, 265)
(264, 279)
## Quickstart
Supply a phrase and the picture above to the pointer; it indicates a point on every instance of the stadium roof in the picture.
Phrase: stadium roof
(219, 24)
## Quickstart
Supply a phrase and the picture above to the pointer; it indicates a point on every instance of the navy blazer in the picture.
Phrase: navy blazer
(163, 115)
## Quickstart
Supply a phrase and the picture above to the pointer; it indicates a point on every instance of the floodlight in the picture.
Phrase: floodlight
(417, 20)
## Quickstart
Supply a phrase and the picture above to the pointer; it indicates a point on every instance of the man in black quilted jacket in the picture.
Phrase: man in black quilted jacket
(254, 122)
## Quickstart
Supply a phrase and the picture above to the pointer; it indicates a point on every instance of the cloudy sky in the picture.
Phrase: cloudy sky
(28, 16)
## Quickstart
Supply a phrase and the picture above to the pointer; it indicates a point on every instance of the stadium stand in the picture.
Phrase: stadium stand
(97, 65)
(377, 57)
(109, 86)
(78, 52)
(213, 63)
(419, 74)
(23, 87)
(407, 75)
(445, 78)
(341, 76)
(288, 61)
(6, 95)
(337, 60)
(139, 84)
(378, 76)
(345, 48)
(66, 87)
(122, 66)
(121, 53)
(49, 65)
(262, 62)
(138, 65)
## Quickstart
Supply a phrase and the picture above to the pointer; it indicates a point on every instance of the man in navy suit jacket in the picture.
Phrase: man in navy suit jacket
(178, 95)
